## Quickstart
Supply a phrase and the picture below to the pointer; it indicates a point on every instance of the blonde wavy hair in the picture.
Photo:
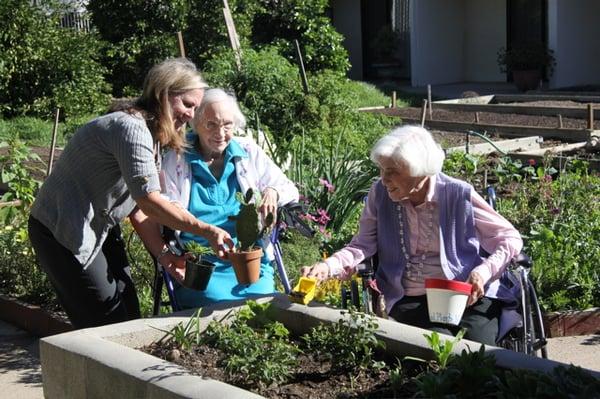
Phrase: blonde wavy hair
(173, 76)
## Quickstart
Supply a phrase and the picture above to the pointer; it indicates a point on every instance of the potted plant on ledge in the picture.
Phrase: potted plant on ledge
(245, 257)
(527, 63)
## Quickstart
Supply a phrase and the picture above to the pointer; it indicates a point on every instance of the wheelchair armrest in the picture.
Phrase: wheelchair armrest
(290, 215)
(522, 259)
(173, 241)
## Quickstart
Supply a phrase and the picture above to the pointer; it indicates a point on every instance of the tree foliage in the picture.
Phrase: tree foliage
(44, 66)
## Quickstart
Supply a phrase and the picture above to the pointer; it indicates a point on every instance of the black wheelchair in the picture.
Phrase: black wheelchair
(288, 217)
(527, 336)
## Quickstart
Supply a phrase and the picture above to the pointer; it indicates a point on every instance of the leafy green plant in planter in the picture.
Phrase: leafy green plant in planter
(245, 257)
(348, 344)
(197, 269)
(257, 348)
(526, 62)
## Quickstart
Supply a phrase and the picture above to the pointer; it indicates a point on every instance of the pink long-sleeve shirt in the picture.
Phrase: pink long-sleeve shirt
(496, 235)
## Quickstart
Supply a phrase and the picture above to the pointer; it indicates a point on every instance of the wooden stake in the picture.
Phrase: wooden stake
(590, 108)
(233, 37)
(181, 46)
(302, 70)
(394, 100)
(467, 142)
(560, 123)
(53, 143)
(423, 111)
(429, 101)
(476, 117)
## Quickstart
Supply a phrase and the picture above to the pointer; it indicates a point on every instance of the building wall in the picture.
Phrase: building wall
(347, 21)
(485, 33)
(436, 41)
(573, 33)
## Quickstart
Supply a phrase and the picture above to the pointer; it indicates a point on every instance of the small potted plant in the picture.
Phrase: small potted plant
(197, 269)
(245, 257)
(526, 62)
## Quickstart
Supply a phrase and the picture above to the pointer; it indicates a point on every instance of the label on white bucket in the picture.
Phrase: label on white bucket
(445, 306)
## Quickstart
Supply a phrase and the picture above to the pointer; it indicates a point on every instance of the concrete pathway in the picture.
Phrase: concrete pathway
(20, 371)
(581, 350)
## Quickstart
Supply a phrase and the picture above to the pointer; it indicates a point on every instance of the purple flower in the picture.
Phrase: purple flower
(548, 178)
(555, 211)
(327, 185)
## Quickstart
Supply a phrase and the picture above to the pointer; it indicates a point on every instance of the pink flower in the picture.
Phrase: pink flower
(327, 185)
(323, 216)
(531, 162)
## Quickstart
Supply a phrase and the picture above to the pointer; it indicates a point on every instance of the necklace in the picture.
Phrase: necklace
(414, 269)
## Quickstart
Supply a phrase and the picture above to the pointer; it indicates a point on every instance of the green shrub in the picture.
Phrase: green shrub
(560, 223)
(282, 22)
(141, 33)
(206, 33)
(19, 275)
(44, 66)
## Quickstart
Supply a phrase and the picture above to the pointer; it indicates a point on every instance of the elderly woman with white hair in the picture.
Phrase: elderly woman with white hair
(424, 224)
(204, 180)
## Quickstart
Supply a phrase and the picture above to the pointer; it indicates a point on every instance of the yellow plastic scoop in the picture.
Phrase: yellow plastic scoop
(304, 291)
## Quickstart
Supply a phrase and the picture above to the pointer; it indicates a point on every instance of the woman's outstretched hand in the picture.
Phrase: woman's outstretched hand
(319, 270)
(269, 203)
(174, 265)
(220, 241)
(477, 290)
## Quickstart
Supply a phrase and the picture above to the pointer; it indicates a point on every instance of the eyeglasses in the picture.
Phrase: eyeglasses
(212, 125)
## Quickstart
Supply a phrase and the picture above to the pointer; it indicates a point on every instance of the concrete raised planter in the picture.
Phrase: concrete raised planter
(103, 362)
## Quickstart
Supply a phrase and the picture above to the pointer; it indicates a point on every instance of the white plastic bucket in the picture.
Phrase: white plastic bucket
(446, 300)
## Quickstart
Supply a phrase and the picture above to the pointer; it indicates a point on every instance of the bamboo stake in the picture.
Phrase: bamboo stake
(53, 143)
(302, 70)
(590, 123)
(476, 117)
(10, 203)
(560, 122)
(394, 100)
(181, 46)
(423, 112)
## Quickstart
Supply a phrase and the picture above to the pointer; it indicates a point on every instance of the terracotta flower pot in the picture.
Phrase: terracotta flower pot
(197, 274)
(246, 265)
(527, 79)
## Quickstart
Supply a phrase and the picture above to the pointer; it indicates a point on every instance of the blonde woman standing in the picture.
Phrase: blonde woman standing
(109, 171)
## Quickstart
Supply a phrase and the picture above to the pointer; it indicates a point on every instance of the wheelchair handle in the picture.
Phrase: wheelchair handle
(290, 215)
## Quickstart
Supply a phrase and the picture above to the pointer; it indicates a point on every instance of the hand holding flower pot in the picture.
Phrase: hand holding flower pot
(245, 258)
(197, 270)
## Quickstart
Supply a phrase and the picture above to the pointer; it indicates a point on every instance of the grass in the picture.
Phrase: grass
(38, 132)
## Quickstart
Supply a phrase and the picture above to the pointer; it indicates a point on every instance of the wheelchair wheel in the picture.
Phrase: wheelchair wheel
(355, 296)
(344, 294)
(539, 341)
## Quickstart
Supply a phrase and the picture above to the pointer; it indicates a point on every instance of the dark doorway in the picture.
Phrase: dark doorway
(526, 24)
(386, 39)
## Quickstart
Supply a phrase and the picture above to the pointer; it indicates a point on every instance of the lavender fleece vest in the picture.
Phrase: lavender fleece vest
(459, 246)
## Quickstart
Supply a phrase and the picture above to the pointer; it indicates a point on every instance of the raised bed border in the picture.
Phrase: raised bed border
(101, 362)
(487, 104)
(31, 318)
